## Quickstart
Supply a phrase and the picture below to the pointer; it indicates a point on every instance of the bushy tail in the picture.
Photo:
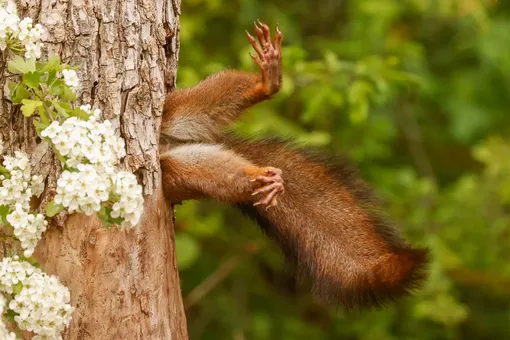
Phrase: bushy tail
(330, 231)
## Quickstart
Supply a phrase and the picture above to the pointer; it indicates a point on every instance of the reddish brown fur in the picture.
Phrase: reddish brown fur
(213, 103)
(188, 170)
(326, 222)
(331, 235)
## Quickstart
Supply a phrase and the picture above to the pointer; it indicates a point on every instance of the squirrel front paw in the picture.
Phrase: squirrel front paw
(272, 186)
(269, 56)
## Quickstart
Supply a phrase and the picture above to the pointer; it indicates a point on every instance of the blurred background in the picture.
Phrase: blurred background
(417, 94)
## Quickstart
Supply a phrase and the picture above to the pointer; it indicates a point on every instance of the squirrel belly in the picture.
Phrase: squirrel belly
(329, 228)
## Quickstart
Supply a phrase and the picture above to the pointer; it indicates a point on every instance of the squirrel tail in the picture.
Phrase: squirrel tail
(330, 230)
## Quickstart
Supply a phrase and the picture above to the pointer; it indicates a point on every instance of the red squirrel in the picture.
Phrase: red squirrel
(321, 215)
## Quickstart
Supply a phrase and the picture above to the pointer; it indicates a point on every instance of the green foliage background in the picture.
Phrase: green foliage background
(416, 92)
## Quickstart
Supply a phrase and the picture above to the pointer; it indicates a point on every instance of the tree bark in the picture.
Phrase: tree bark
(124, 284)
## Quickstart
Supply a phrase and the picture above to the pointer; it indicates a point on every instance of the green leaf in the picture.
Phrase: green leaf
(38, 93)
(358, 91)
(53, 64)
(105, 216)
(61, 158)
(53, 208)
(17, 288)
(19, 93)
(104, 219)
(359, 112)
(57, 87)
(44, 116)
(314, 104)
(12, 86)
(208, 225)
(50, 77)
(77, 112)
(32, 260)
(39, 125)
(5, 172)
(18, 65)
(107, 211)
(68, 95)
(62, 108)
(65, 106)
(32, 79)
(9, 315)
(4, 211)
(188, 250)
(29, 106)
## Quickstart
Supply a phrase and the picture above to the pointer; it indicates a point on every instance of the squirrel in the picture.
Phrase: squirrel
(322, 216)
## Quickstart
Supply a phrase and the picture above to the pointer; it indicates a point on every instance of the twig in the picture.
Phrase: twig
(413, 136)
(212, 281)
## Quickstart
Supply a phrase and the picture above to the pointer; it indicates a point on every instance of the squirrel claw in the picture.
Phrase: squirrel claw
(268, 56)
(273, 186)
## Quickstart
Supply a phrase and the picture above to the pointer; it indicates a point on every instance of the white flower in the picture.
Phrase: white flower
(20, 33)
(82, 190)
(15, 193)
(52, 130)
(130, 205)
(21, 185)
(95, 113)
(18, 218)
(8, 22)
(25, 27)
(71, 78)
(4, 332)
(33, 50)
(37, 185)
(87, 141)
(91, 153)
(28, 228)
(13, 271)
(42, 304)
(11, 7)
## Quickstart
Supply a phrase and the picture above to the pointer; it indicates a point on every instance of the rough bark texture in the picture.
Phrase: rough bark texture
(124, 285)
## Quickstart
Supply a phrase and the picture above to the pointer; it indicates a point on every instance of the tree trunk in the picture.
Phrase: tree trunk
(124, 285)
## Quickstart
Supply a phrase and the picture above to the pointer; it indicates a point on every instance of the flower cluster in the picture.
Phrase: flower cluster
(12, 272)
(94, 113)
(9, 21)
(130, 205)
(91, 151)
(86, 141)
(41, 302)
(4, 332)
(83, 190)
(18, 186)
(19, 32)
(28, 228)
(90, 183)
(30, 38)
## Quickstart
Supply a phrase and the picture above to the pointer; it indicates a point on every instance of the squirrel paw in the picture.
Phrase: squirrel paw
(272, 186)
(269, 56)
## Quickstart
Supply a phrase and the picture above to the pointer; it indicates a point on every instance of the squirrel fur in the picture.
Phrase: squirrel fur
(320, 213)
